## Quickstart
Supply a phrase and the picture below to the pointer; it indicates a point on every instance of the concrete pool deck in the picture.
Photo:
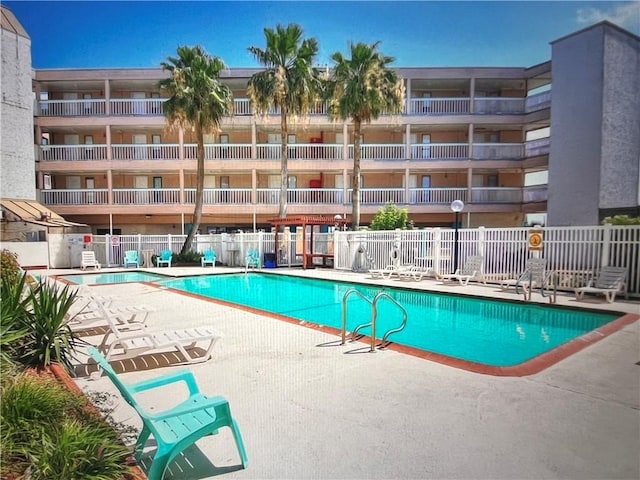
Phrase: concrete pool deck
(307, 410)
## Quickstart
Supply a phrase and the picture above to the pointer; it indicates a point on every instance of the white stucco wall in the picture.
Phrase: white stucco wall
(17, 159)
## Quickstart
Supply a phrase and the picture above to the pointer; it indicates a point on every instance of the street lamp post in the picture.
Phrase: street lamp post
(456, 206)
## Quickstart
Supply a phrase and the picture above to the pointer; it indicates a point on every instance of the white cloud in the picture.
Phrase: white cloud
(626, 15)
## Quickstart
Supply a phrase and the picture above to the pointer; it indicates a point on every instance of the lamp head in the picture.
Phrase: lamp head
(457, 205)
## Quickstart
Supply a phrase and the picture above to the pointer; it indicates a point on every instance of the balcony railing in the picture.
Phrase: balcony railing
(496, 195)
(498, 105)
(137, 107)
(243, 107)
(497, 151)
(71, 108)
(154, 151)
(71, 153)
(75, 197)
(538, 101)
(540, 146)
(389, 151)
(437, 196)
(299, 151)
(239, 151)
(439, 106)
(146, 196)
(534, 193)
(295, 196)
(220, 196)
(440, 151)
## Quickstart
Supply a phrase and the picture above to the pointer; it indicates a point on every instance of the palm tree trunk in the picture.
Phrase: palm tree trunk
(197, 211)
(284, 163)
(355, 180)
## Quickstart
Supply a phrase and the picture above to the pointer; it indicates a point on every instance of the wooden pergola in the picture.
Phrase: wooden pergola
(304, 221)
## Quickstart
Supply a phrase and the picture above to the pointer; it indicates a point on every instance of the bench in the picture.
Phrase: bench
(178, 427)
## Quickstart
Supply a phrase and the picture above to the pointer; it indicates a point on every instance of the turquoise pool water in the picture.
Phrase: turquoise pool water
(490, 332)
(104, 278)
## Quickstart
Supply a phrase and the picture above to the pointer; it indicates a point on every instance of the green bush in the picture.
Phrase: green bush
(622, 220)
(9, 267)
(48, 432)
(391, 217)
(187, 257)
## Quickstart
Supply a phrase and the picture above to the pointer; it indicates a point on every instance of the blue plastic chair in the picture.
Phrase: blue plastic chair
(131, 258)
(176, 428)
(165, 258)
(208, 258)
(252, 260)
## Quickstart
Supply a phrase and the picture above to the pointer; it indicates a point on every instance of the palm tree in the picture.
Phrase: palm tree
(361, 89)
(290, 83)
(197, 100)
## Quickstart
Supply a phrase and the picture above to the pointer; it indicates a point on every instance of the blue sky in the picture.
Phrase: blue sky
(71, 34)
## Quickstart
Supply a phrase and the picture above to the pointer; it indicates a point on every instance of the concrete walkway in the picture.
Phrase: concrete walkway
(307, 410)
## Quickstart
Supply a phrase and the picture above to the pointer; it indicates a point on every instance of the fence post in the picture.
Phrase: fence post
(435, 249)
(108, 250)
(606, 245)
(169, 241)
(481, 241)
(261, 245)
(139, 242)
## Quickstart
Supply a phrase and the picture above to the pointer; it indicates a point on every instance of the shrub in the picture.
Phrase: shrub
(187, 257)
(622, 220)
(9, 267)
(391, 217)
(47, 432)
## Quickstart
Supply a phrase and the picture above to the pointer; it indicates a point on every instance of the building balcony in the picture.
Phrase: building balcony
(298, 151)
(295, 196)
(120, 107)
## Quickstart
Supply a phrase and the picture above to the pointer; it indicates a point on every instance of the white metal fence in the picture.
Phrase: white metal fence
(574, 251)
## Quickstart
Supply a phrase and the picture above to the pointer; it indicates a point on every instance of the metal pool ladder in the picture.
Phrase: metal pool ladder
(374, 317)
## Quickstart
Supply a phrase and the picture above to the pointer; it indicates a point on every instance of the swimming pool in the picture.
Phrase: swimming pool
(485, 331)
(114, 277)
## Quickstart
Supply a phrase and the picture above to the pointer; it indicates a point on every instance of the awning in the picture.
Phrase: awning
(34, 212)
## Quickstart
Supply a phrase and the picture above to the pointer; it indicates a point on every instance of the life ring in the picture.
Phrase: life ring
(535, 240)
(395, 254)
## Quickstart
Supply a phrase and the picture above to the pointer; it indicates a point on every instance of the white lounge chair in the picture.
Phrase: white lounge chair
(472, 270)
(89, 260)
(609, 282)
(121, 343)
(393, 267)
(90, 309)
(534, 276)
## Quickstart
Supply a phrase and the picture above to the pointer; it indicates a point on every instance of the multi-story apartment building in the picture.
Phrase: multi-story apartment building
(107, 158)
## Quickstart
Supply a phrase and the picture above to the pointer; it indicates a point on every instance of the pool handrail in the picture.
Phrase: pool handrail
(374, 316)
(344, 314)
(391, 330)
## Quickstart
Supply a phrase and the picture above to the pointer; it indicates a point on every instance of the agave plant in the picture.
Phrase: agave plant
(50, 337)
(16, 315)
